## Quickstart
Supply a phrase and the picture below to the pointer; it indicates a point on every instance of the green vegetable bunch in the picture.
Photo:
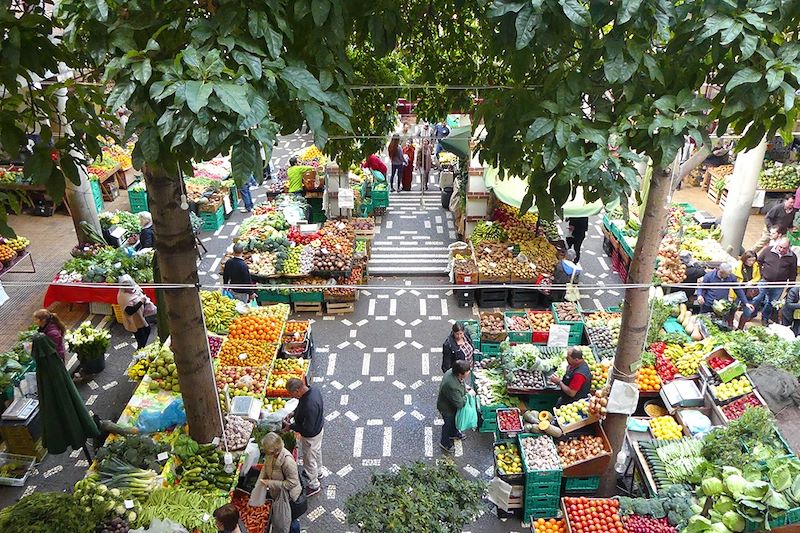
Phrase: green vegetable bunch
(137, 450)
(101, 502)
(42, 512)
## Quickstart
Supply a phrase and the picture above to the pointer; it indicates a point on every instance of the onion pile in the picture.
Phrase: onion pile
(579, 449)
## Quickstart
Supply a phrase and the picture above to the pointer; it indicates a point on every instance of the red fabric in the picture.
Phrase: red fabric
(374, 162)
(576, 382)
(408, 170)
(58, 292)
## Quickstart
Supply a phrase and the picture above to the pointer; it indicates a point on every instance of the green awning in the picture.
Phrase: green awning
(512, 190)
(458, 141)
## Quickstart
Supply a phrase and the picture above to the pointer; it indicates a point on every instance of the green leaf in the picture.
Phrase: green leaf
(313, 114)
(550, 156)
(303, 80)
(716, 23)
(774, 79)
(576, 12)
(142, 70)
(149, 144)
(665, 104)
(259, 109)
(562, 133)
(252, 63)
(102, 9)
(192, 58)
(274, 43)
(525, 25)
(498, 8)
(200, 135)
(70, 168)
(257, 23)
(731, 33)
(233, 96)
(340, 119)
(197, 93)
(320, 10)
(627, 9)
(119, 95)
(39, 166)
(541, 126)
(755, 21)
(659, 122)
(243, 161)
(788, 96)
(746, 75)
(748, 45)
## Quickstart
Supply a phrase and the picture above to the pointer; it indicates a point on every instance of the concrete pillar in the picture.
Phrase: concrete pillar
(741, 190)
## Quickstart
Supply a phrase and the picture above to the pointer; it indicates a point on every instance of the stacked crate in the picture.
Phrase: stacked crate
(542, 493)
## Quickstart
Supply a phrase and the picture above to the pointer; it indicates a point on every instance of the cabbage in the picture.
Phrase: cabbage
(733, 521)
(712, 486)
(724, 504)
(735, 484)
(756, 490)
(719, 527)
(698, 524)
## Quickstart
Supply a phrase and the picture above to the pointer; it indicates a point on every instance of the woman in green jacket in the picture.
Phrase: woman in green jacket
(452, 397)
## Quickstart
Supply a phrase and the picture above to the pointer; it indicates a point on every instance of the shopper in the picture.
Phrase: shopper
(236, 272)
(425, 162)
(778, 265)
(578, 226)
(408, 169)
(424, 131)
(309, 423)
(790, 312)
(49, 324)
(146, 237)
(247, 197)
(398, 159)
(781, 215)
(279, 476)
(457, 347)
(228, 521)
(776, 233)
(747, 272)
(694, 271)
(722, 275)
(373, 162)
(440, 131)
(452, 397)
(577, 380)
(136, 308)
(294, 175)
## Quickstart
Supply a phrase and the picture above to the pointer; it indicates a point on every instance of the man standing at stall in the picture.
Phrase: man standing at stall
(294, 175)
(236, 272)
(778, 265)
(781, 215)
(452, 397)
(577, 380)
(308, 423)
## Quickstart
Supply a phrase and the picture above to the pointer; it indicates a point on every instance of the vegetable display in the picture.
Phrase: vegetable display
(204, 471)
(593, 514)
(237, 432)
(540, 453)
(567, 312)
(42, 512)
(102, 502)
(507, 458)
(192, 510)
(137, 450)
(581, 448)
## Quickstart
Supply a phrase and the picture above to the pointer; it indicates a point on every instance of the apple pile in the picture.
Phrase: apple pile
(736, 408)
(509, 420)
(242, 380)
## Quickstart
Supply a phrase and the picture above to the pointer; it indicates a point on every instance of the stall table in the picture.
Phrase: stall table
(16, 261)
(61, 292)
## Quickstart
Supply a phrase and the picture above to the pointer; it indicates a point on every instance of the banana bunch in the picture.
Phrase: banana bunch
(689, 362)
(138, 369)
(218, 310)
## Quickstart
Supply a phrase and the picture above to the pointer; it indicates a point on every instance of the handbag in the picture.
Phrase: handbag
(573, 293)
(299, 507)
(149, 308)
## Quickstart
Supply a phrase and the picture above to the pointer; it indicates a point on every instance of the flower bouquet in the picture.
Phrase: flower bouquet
(89, 344)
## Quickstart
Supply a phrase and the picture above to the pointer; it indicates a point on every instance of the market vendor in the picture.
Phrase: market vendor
(707, 295)
(295, 176)
(373, 162)
(781, 215)
(577, 380)
(694, 271)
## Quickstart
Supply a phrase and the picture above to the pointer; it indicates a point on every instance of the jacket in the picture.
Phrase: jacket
(711, 294)
(281, 474)
(147, 238)
(236, 272)
(791, 305)
(737, 271)
(452, 352)
(777, 268)
(308, 419)
(52, 331)
(425, 158)
(452, 395)
(135, 321)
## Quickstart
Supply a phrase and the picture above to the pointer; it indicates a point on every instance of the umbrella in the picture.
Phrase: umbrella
(65, 420)
(458, 141)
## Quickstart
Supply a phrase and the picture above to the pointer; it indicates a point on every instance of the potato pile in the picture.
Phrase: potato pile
(567, 312)
(523, 271)
(492, 323)
(669, 269)
(540, 321)
(495, 259)
(579, 449)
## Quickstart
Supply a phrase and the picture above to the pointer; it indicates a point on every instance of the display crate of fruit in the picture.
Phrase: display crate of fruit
(735, 409)
(725, 393)
(528, 382)
(517, 326)
(509, 423)
(540, 325)
(15, 469)
(569, 313)
(508, 461)
(540, 460)
(585, 455)
(665, 428)
(719, 363)
(574, 416)
(581, 517)
(493, 327)
(242, 380)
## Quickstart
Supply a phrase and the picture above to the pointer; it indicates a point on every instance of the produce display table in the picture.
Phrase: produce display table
(61, 292)
(16, 261)
(144, 398)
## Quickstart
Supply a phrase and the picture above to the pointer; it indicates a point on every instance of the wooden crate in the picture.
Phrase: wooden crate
(308, 307)
(340, 308)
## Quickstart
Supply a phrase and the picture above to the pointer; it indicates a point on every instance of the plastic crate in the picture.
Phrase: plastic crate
(687, 207)
(213, 221)
(581, 484)
(22, 461)
(793, 516)
(269, 296)
(517, 336)
(575, 339)
(380, 198)
(542, 402)
(137, 200)
(575, 328)
(117, 312)
(490, 349)
(538, 477)
(311, 297)
(544, 512)
(537, 491)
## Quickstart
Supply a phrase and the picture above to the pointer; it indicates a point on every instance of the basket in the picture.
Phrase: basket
(517, 336)
(117, 312)
(494, 337)
(23, 463)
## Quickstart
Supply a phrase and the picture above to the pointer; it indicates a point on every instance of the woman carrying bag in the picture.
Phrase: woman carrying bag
(280, 482)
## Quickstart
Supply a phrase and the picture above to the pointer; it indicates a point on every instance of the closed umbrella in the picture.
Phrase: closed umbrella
(65, 420)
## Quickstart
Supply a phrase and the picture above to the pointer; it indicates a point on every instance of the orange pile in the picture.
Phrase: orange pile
(647, 379)
(296, 326)
(256, 328)
(549, 526)
(239, 352)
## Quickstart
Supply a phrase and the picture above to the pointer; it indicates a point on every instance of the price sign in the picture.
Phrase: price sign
(128, 504)
(163, 456)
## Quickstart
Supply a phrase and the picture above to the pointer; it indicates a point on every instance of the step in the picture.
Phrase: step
(441, 257)
(405, 271)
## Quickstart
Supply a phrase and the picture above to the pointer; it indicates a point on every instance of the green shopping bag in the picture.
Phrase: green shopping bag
(467, 416)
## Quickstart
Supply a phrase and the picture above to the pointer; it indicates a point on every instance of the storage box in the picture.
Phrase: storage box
(517, 336)
(594, 466)
(581, 484)
(494, 337)
(100, 308)
(539, 477)
(214, 220)
(21, 465)
(575, 327)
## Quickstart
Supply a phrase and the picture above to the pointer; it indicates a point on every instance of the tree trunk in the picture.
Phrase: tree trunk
(177, 256)
(636, 311)
(741, 191)
(81, 205)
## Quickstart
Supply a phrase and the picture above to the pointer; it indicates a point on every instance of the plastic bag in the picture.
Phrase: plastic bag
(623, 398)
(696, 422)
(154, 420)
(467, 416)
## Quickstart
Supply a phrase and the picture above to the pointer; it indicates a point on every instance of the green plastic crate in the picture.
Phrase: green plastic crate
(793, 516)
(380, 198)
(266, 296)
(542, 402)
(687, 207)
(309, 297)
(234, 191)
(137, 200)
(581, 484)
(534, 491)
(751, 526)
(97, 195)
(517, 336)
(575, 339)
(490, 349)
(213, 221)
(575, 328)
(546, 507)
(538, 477)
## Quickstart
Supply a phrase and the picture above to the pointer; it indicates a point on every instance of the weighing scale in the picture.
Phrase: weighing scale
(20, 409)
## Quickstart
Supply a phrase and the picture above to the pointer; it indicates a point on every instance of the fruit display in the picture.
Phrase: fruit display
(669, 268)
(600, 373)
(17, 244)
(540, 453)
(601, 337)
(572, 413)
(486, 363)
(256, 328)
(487, 231)
(239, 352)
(540, 321)
(6, 253)
(492, 327)
(274, 404)
(647, 379)
(325, 260)
(218, 311)
(290, 366)
(276, 385)
(507, 458)
(509, 420)
(598, 318)
(578, 449)
(517, 323)
(163, 372)
(780, 177)
(687, 359)
(567, 312)
(525, 379)
(736, 408)
(732, 389)
(550, 525)
(277, 310)
(214, 344)
(204, 470)
(593, 514)
(242, 380)
(540, 252)
(646, 524)
(598, 402)
(665, 428)
(666, 368)
(495, 260)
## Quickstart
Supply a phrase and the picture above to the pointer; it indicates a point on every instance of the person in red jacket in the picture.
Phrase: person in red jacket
(374, 162)
(51, 325)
